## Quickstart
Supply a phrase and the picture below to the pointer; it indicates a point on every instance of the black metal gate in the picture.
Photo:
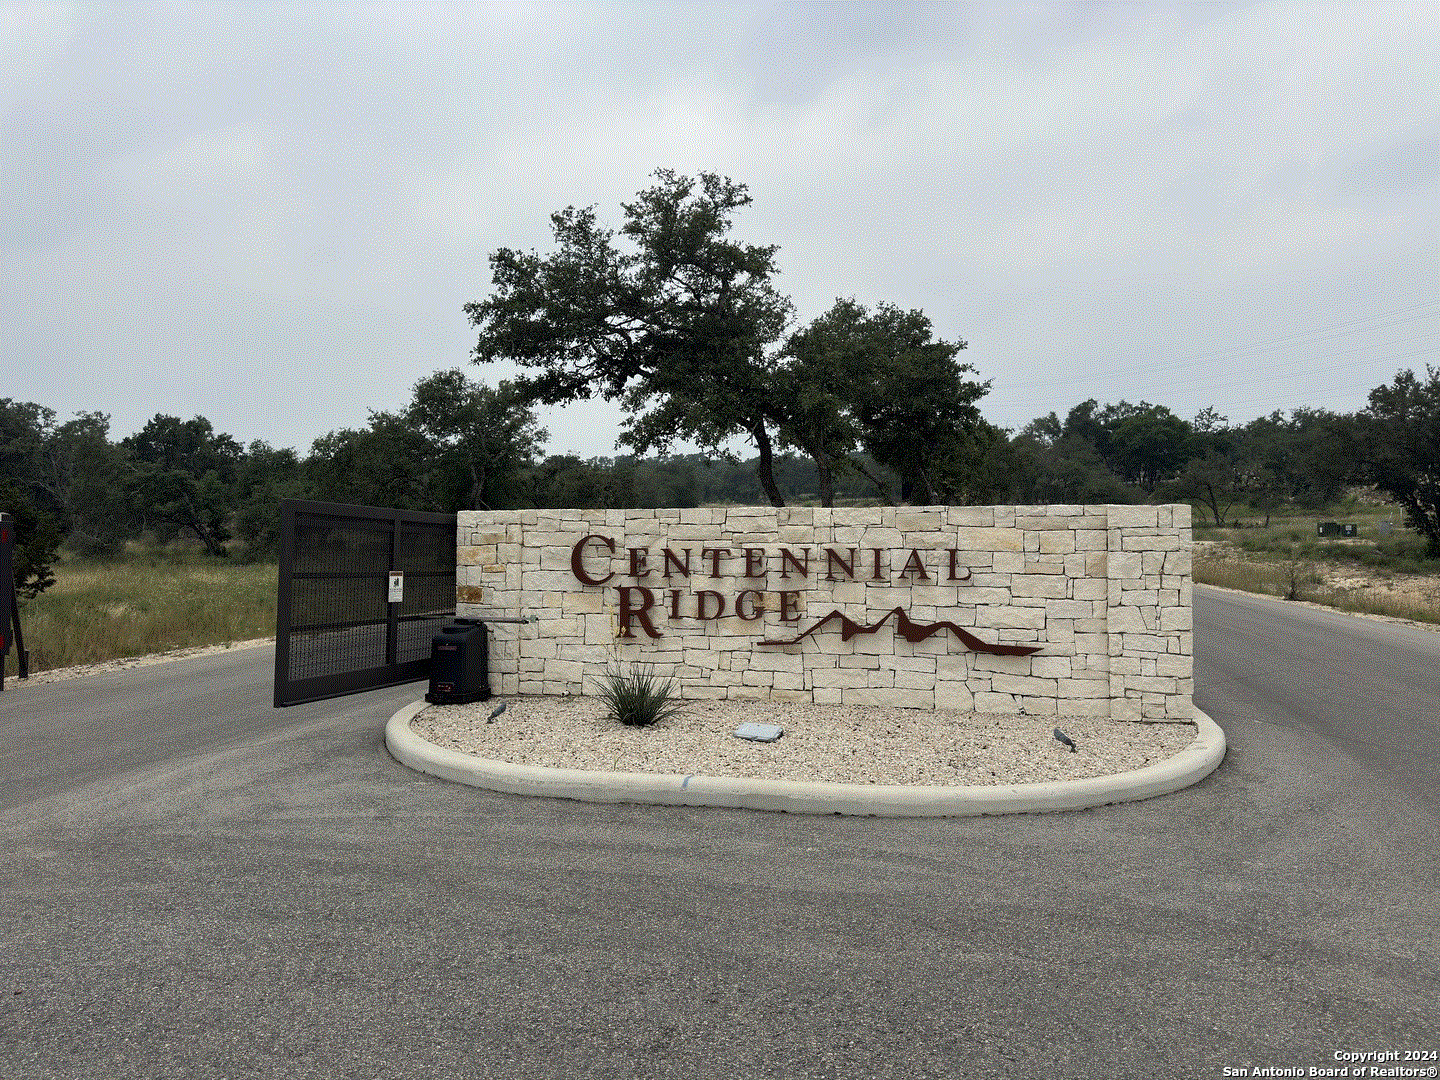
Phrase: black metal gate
(362, 592)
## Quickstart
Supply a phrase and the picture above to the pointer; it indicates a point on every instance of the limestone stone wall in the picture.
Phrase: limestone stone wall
(1068, 610)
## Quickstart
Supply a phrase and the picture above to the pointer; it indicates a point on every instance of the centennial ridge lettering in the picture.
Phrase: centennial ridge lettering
(753, 562)
(591, 562)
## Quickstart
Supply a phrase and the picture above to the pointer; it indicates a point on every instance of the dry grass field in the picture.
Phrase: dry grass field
(99, 611)
(1381, 571)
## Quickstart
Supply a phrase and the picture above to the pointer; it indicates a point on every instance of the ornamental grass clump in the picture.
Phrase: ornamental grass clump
(638, 699)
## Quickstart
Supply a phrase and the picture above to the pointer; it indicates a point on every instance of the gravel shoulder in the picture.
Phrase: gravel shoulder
(821, 742)
(125, 663)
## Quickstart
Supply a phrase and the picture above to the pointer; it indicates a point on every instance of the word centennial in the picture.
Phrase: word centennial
(641, 601)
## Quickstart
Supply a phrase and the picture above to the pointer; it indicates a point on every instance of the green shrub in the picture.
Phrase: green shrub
(638, 699)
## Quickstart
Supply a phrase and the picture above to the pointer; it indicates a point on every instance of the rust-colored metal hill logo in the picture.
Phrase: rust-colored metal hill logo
(911, 631)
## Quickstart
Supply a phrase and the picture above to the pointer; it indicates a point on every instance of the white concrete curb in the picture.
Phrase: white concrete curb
(1189, 766)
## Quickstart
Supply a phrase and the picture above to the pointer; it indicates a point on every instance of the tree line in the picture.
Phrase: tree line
(682, 325)
(459, 444)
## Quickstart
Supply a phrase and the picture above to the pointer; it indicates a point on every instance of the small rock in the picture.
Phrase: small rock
(760, 732)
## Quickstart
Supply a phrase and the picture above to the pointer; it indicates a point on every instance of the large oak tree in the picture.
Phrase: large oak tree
(880, 381)
(672, 318)
(181, 476)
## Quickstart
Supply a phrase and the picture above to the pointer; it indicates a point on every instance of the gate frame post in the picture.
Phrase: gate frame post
(283, 596)
(10, 604)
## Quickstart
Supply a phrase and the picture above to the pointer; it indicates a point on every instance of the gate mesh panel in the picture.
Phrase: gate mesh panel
(428, 556)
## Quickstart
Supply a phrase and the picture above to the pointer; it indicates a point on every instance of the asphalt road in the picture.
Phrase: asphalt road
(196, 885)
(1372, 687)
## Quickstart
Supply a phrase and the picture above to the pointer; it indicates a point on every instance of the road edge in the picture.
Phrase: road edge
(1190, 766)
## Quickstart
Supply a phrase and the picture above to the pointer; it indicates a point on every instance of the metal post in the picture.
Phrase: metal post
(22, 654)
(284, 594)
(9, 606)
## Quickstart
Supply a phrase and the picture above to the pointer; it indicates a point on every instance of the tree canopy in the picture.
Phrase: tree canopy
(680, 323)
(479, 437)
(1400, 437)
(179, 477)
(676, 323)
(880, 381)
(458, 444)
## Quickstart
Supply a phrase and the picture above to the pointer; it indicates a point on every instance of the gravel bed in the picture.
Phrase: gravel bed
(821, 742)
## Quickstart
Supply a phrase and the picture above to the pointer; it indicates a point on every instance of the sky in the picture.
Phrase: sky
(272, 214)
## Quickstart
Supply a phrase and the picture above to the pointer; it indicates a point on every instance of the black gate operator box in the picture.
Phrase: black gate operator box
(459, 664)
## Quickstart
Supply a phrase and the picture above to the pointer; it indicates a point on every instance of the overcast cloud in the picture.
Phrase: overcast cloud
(272, 214)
